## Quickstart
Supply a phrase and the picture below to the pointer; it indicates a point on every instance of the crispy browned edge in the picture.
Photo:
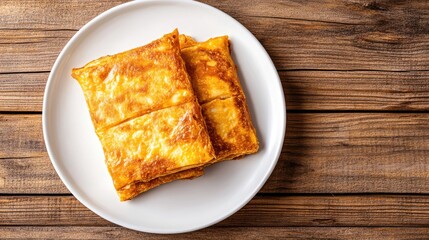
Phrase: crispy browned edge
(223, 149)
(136, 188)
(75, 71)
(132, 190)
(76, 74)
(186, 41)
(197, 117)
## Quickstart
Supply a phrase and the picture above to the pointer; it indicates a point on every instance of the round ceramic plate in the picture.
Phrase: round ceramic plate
(181, 206)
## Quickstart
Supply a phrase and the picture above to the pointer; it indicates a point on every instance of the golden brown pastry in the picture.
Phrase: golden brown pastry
(217, 86)
(230, 129)
(212, 70)
(132, 190)
(146, 115)
(135, 82)
(186, 41)
(156, 144)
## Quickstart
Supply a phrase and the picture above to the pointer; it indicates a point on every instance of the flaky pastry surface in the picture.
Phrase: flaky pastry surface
(135, 82)
(156, 144)
(146, 116)
(217, 86)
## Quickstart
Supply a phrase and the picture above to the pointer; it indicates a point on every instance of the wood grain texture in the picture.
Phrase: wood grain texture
(22, 91)
(340, 34)
(356, 152)
(383, 37)
(217, 233)
(347, 39)
(349, 35)
(66, 210)
(51, 15)
(34, 32)
(332, 55)
(121, 233)
(21, 136)
(262, 211)
(356, 90)
(29, 175)
(31, 50)
(304, 90)
(322, 153)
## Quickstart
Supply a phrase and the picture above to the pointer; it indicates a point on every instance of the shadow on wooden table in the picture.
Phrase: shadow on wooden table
(291, 165)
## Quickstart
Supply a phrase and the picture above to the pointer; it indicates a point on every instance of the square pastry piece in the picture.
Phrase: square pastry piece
(135, 82)
(156, 144)
(217, 86)
(146, 116)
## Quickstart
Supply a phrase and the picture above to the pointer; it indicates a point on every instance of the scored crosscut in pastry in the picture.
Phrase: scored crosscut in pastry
(156, 144)
(135, 82)
(146, 116)
(217, 86)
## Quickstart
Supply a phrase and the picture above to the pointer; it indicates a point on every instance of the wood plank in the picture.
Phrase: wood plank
(349, 12)
(322, 153)
(216, 233)
(31, 50)
(122, 233)
(21, 136)
(22, 91)
(51, 15)
(355, 152)
(359, 38)
(304, 90)
(262, 211)
(33, 30)
(356, 90)
(66, 210)
(29, 175)
(341, 35)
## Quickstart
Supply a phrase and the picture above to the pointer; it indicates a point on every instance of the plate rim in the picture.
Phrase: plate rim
(48, 88)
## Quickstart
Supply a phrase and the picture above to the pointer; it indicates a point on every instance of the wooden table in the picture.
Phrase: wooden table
(355, 162)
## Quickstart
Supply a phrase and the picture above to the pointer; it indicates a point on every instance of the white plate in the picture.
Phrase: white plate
(180, 206)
